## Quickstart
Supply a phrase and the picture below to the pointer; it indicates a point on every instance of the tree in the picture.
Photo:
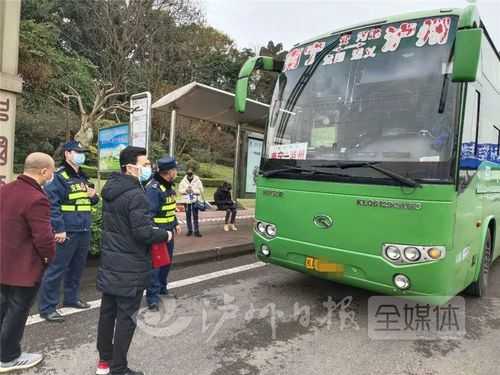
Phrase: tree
(70, 46)
(263, 83)
(104, 104)
(121, 36)
(46, 68)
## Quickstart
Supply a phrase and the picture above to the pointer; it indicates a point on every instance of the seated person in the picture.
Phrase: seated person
(224, 202)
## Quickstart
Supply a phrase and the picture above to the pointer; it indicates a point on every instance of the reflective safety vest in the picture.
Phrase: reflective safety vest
(77, 199)
(166, 214)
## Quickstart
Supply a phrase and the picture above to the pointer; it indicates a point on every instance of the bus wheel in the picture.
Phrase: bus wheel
(478, 288)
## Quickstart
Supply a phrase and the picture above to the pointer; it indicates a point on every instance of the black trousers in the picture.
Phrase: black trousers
(117, 323)
(230, 214)
(15, 305)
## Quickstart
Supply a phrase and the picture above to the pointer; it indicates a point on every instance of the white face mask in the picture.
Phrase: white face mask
(143, 172)
(46, 183)
(78, 158)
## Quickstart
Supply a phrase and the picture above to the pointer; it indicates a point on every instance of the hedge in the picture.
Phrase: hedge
(91, 172)
(96, 229)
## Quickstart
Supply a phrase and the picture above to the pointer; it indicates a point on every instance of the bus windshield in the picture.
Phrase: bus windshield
(380, 94)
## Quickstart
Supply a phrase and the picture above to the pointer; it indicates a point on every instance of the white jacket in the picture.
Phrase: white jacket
(196, 189)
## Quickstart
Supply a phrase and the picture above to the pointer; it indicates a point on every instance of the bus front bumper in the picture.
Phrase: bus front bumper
(431, 281)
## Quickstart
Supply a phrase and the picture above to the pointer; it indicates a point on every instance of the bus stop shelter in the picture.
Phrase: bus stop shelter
(201, 102)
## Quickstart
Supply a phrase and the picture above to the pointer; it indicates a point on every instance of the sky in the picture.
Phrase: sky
(252, 23)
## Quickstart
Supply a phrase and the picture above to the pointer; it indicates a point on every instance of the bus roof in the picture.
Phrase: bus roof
(391, 19)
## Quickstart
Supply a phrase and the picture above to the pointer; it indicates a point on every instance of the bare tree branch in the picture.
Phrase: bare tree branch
(78, 98)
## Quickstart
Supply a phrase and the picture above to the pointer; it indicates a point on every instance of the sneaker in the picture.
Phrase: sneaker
(198, 234)
(102, 368)
(226, 227)
(24, 361)
(233, 227)
(53, 317)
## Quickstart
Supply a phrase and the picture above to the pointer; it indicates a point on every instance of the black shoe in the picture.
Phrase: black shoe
(189, 234)
(198, 234)
(53, 317)
(154, 307)
(78, 305)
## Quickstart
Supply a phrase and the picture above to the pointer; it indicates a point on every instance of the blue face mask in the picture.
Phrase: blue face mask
(146, 173)
(79, 158)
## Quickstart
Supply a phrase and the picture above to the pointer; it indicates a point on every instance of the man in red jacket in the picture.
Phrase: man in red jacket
(26, 247)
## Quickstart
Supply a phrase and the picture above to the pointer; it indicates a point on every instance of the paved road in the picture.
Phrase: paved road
(224, 326)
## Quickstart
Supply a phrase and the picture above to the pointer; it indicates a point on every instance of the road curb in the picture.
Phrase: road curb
(182, 259)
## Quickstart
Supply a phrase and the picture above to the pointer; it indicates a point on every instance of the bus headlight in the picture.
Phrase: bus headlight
(409, 254)
(401, 282)
(265, 250)
(261, 227)
(271, 230)
(392, 252)
(412, 254)
(266, 229)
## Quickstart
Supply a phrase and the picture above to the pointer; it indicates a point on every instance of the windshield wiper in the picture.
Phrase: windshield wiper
(303, 81)
(311, 171)
(373, 165)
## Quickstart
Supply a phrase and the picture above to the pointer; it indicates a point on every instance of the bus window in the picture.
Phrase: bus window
(470, 133)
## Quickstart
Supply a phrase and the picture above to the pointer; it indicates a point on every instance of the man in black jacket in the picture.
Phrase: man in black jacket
(125, 270)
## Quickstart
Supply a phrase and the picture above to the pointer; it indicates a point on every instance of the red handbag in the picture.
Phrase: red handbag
(159, 255)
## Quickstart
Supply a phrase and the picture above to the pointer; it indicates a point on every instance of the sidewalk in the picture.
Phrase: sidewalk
(218, 216)
(215, 242)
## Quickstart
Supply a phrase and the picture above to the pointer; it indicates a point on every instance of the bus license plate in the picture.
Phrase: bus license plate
(310, 263)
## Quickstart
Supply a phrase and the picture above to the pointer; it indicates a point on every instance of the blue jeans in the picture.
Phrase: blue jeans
(192, 218)
(159, 279)
(69, 263)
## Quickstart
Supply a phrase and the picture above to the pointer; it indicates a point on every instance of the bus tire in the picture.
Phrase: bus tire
(478, 288)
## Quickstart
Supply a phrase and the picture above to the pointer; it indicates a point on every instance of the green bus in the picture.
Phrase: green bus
(381, 165)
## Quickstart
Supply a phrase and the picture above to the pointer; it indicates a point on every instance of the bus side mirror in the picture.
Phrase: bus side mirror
(467, 55)
(254, 63)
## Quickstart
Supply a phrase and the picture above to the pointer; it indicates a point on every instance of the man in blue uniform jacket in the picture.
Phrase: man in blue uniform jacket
(71, 198)
(162, 198)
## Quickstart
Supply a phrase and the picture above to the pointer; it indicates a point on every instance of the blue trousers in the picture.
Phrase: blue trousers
(159, 279)
(192, 218)
(69, 263)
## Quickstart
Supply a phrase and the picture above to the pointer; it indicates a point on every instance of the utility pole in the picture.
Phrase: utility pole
(10, 83)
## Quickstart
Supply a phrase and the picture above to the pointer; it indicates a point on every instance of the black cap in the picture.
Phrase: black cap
(74, 146)
(167, 163)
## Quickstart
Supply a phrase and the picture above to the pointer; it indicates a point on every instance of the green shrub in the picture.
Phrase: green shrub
(91, 172)
(193, 164)
(96, 229)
